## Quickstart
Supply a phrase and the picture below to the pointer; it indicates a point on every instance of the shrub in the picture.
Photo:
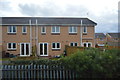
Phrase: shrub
(93, 63)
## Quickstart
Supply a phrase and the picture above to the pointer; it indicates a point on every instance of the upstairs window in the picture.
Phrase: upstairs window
(55, 29)
(73, 44)
(43, 29)
(72, 29)
(55, 45)
(11, 46)
(12, 29)
(84, 29)
(24, 29)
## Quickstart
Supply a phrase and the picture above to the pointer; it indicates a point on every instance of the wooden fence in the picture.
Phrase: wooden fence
(36, 72)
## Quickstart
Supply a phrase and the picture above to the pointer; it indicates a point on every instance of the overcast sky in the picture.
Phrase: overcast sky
(103, 12)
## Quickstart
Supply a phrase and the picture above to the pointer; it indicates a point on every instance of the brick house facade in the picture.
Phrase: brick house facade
(113, 39)
(100, 39)
(47, 35)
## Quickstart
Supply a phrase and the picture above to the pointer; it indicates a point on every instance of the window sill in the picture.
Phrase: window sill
(11, 49)
(72, 33)
(24, 55)
(43, 55)
(55, 33)
(84, 33)
(11, 33)
(55, 49)
(24, 33)
(43, 33)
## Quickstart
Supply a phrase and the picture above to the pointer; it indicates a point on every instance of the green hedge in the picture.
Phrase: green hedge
(91, 63)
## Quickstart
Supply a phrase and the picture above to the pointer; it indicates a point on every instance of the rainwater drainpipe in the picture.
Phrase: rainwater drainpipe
(81, 34)
(30, 37)
(36, 37)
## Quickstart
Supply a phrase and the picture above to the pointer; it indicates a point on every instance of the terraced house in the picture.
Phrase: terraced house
(100, 39)
(47, 35)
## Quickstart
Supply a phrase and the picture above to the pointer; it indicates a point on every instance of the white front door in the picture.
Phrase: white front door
(43, 49)
(24, 49)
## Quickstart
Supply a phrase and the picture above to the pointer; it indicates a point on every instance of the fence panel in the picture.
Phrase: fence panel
(37, 72)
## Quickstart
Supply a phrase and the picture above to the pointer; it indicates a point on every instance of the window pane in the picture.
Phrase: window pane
(85, 45)
(14, 29)
(24, 29)
(14, 45)
(75, 44)
(89, 45)
(74, 29)
(9, 29)
(57, 29)
(70, 29)
(71, 44)
(45, 48)
(27, 49)
(53, 45)
(58, 45)
(84, 29)
(22, 49)
(41, 49)
(9, 45)
(53, 29)
(43, 29)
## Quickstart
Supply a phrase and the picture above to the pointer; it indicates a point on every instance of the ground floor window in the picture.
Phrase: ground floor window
(56, 45)
(73, 44)
(24, 49)
(43, 49)
(11, 46)
(87, 44)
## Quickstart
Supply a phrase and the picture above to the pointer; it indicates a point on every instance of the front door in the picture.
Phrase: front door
(24, 49)
(43, 49)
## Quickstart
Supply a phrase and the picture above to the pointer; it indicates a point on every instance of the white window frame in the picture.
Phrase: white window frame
(56, 45)
(55, 29)
(73, 29)
(73, 43)
(42, 29)
(87, 44)
(23, 29)
(84, 27)
(11, 46)
(43, 48)
(12, 29)
(25, 49)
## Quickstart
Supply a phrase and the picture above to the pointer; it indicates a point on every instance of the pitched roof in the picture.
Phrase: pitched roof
(100, 35)
(114, 35)
(46, 20)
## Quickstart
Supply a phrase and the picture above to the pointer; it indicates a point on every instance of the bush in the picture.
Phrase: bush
(93, 63)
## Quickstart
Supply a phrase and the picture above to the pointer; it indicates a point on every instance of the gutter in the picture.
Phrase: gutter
(30, 36)
(36, 37)
(81, 33)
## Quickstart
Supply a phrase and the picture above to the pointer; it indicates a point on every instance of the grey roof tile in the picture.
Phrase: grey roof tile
(46, 20)
(100, 35)
(114, 35)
